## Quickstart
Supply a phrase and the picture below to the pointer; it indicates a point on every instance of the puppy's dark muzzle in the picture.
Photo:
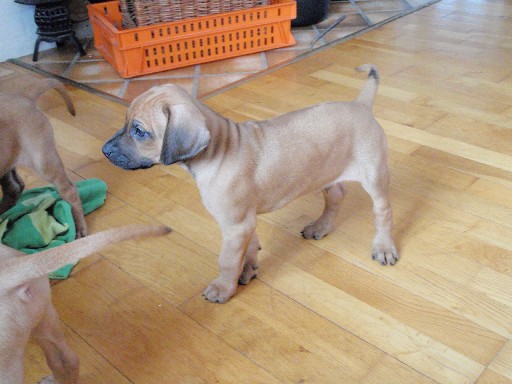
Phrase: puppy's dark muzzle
(112, 152)
(123, 158)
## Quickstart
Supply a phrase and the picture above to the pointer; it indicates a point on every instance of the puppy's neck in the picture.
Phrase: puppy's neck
(222, 130)
(226, 138)
(215, 121)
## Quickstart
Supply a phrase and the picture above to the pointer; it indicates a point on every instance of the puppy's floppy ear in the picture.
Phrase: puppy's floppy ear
(186, 134)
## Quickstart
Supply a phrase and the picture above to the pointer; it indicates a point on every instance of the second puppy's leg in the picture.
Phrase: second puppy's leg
(326, 223)
(12, 186)
(251, 264)
(60, 358)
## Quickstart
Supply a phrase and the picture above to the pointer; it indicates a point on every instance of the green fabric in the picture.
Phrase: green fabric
(41, 219)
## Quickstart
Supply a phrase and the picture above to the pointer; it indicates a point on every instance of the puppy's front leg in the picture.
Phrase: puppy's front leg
(51, 168)
(69, 192)
(235, 241)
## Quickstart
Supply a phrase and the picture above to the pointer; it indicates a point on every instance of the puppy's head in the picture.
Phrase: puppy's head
(163, 125)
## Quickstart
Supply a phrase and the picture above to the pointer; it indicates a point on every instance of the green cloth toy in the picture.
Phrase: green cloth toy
(41, 219)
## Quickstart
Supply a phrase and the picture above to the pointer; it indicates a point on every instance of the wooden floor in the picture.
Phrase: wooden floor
(320, 311)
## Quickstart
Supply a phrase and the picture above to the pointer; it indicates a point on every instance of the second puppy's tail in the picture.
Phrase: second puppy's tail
(41, 86)
(367, 94)
(20, 268)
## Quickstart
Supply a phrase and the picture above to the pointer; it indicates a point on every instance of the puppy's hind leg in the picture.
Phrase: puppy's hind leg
(384, 250)
(326, 223)
(60, 358)
(12, 186)
(251, 264)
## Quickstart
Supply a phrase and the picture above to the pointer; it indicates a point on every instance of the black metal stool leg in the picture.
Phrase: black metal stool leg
(78, 44)
(36, 50)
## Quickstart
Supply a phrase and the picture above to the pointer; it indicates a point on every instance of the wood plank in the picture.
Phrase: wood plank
(146, 338)
(421, 274)
(172, 266)
(502, 364)
(94, 368)
(492, 377)
(454, 147)
(321, 351)
(424, 354)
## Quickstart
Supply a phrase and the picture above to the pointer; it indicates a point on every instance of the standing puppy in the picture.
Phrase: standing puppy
(243, 169)
(26, 307)
(27, 139)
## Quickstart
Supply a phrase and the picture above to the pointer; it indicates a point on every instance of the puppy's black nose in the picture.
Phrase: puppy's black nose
(107, 150)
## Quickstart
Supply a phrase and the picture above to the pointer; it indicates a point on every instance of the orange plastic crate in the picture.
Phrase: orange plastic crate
(160, 47)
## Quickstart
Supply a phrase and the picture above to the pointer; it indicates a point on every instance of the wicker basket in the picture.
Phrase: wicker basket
(138, 13)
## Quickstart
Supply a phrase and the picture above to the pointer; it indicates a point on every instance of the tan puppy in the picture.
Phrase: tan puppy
(27, 139)
(243, 169)
(26, 307)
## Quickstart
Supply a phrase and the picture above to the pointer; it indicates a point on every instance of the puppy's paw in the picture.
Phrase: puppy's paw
(250, 272)
(219, 292)
(315, 231)
(385, 254)
(3, 208)
(81, 231)
(47, 380)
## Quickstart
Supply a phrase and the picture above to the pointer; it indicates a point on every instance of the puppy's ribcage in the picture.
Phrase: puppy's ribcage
(315, 151)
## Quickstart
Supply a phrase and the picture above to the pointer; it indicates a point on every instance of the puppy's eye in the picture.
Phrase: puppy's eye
(138, 131)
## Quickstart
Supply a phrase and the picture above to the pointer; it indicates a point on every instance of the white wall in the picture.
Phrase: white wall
(18, 30)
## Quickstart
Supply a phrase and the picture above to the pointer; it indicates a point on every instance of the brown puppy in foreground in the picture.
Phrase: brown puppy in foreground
(243, 169)
(27, 139)
(26, 307)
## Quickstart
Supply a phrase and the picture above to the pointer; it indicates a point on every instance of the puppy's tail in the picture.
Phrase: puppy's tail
(17, 270)
(41, 86)
(369, 90)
